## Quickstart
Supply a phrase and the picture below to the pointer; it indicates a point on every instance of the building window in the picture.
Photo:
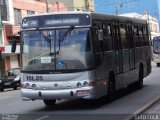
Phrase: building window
(17, 16)
(30, 12)
(107, 37)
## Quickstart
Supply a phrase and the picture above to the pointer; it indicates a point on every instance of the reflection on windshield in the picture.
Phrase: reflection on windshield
(156, 46)
(61, 53)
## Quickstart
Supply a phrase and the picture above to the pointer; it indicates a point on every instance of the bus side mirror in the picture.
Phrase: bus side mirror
(100, 34)
(14, 44)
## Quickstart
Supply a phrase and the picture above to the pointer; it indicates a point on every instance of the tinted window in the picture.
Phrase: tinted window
(123, 36)
(107, 38)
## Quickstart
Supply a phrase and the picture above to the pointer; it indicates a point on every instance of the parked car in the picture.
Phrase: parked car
(11, 79)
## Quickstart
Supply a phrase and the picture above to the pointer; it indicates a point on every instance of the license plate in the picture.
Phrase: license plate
(83, 92)
(8, 83)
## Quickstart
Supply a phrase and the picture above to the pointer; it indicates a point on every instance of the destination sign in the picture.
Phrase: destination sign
(30, 23)
(62, 21)
(56, 20)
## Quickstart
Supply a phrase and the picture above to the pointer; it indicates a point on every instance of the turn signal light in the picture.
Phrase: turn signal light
(92, 83)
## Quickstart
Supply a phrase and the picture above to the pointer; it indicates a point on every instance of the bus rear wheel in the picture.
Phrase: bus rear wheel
(141, 76)
(49, 102)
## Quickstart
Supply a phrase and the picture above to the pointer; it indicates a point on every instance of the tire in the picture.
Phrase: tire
(141, 76)
(1, 88)
(111, 88)
(158, 64)
(15, 88)
(49, 102)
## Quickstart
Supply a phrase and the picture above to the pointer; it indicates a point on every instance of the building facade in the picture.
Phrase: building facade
(10, 23)
(72, 5)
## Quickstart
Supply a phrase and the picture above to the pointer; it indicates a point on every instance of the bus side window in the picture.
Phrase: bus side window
(123, 36)
(108, 45)
(145, 34)
(141, 40)
(135, 35)
(97, 43)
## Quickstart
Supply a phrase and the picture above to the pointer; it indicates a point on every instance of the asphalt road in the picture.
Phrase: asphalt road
(127, 102)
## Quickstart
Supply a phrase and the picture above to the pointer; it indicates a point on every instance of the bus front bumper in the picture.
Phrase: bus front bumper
(31, 94)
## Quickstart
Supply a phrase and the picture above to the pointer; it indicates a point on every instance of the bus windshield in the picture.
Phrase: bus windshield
(56, 50)
(156, 46)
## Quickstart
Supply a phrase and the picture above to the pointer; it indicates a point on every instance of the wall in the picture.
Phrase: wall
(64, 5)
(72, 5)
(31, 5)
(81, 4)
(14, 63)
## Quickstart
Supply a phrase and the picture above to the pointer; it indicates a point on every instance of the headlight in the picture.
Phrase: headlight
(0, 81)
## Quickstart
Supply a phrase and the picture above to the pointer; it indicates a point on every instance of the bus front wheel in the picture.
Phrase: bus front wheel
(111, 88)
(158, 64)
(49, 102)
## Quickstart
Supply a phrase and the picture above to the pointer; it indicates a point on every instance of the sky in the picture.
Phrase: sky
(127, 6)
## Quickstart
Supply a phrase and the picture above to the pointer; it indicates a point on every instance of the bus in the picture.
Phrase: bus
(156, 50)
(84, 55)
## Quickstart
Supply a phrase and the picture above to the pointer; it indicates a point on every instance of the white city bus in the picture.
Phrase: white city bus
(156, 50)
(81, 55)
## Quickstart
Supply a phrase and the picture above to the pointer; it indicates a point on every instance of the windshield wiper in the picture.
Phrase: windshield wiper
(48, 39)
(45, 37)
(68, 31)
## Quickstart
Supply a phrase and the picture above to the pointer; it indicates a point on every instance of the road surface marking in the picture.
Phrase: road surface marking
(42, 117)
(5, 97)
(143, 108)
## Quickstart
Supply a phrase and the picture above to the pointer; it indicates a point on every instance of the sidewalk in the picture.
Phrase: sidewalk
(155, 109)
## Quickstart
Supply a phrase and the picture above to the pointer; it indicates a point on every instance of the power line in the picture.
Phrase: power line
(113, 4)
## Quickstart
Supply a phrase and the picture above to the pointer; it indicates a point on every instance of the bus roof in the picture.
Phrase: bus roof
(110, 17)
(93, 14)
(97, 16)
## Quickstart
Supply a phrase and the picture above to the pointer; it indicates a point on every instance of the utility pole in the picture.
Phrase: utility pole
(47, 9)
(87, 5)
(116, 10)
(117, 7)
(57, 6)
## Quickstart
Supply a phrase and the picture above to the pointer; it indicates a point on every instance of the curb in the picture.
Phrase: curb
(142, 109)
